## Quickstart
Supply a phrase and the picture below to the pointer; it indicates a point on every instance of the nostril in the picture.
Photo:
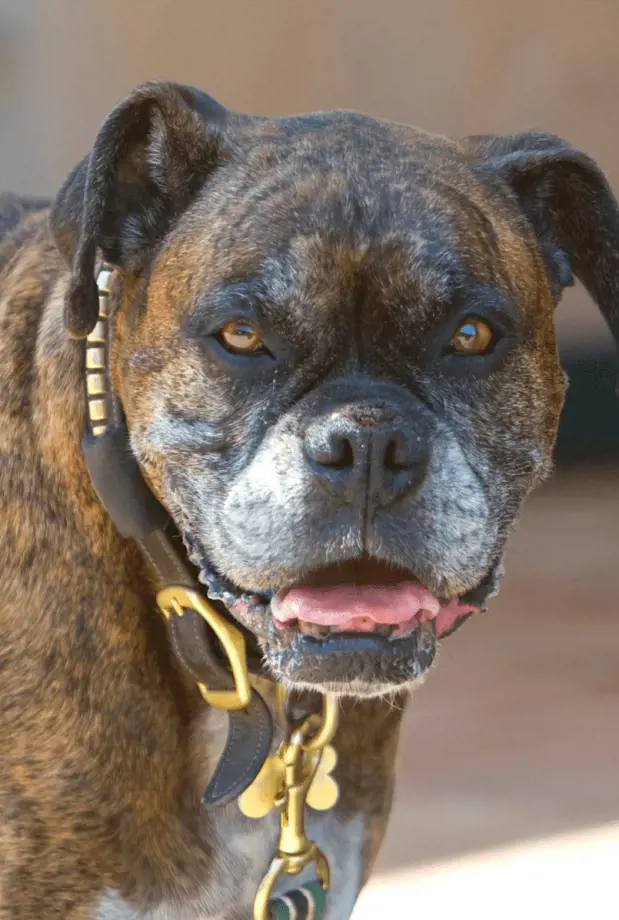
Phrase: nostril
(401, 455)
(339, 456)
(404, 462)
(396, 457)
(333, 450)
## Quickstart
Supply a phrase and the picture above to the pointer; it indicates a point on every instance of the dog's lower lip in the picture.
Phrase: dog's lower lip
(321, 632)
(340, 660)
(384, 630)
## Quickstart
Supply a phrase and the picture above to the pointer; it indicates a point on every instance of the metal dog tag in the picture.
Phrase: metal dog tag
(261, 797)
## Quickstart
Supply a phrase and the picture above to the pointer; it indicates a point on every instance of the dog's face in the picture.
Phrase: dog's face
(335, 351)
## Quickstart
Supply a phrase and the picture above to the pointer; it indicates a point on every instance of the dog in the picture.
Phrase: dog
(334, 352)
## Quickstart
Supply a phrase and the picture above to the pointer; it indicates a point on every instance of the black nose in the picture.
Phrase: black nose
(378, 462)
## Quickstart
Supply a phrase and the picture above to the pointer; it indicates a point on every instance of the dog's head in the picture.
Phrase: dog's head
(336, 355)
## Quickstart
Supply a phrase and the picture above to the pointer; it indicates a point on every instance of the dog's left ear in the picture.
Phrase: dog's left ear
(150, 158)
(568, 203)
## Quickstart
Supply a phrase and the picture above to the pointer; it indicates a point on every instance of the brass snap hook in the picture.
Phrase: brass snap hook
(299, 759)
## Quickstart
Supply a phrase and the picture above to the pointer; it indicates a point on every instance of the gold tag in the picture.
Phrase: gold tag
(324, 791)
(258, 800)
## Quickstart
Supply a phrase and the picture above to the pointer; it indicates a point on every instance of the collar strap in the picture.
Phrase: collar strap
(198, 632)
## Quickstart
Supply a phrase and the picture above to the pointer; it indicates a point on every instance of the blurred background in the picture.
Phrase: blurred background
(509, 776)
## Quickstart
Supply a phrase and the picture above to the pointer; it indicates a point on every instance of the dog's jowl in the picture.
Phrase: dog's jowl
(330, 347)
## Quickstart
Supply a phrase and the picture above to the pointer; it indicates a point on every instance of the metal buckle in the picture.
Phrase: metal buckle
(174, 600)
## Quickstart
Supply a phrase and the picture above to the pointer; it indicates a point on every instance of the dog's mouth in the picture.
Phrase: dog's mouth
(364, 596)
(360, 627)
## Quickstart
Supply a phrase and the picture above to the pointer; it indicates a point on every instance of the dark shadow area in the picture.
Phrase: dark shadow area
(589, 428)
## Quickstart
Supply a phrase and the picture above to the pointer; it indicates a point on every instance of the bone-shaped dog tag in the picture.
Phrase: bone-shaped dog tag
(258, 800)
(324, 791)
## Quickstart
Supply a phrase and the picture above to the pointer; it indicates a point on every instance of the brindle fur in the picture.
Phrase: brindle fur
(356, 238)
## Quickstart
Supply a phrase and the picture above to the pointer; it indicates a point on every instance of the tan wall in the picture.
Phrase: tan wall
(453, 66)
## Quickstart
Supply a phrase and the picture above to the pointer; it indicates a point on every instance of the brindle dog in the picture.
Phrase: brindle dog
(333, 343)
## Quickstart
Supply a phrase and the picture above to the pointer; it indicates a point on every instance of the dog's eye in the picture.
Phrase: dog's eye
(241, 337)
(472, 337)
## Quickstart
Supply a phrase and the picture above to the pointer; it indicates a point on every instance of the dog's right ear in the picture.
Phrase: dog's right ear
(569, 205)
(150, 158)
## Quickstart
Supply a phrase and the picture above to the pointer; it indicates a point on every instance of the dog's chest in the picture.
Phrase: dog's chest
(240, 849)
(242, 852)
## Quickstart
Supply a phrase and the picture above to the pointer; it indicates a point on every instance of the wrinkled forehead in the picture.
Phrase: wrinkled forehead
(315, 219)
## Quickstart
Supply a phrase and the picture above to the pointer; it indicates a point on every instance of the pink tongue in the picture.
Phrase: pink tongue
(359, 608)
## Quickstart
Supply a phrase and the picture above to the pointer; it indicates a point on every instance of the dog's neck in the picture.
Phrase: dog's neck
(59, 526)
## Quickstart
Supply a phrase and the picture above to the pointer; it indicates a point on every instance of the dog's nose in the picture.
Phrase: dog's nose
(378, 462)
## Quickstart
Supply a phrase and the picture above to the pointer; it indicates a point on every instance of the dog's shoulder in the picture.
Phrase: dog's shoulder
(18, 221)
(13, 209)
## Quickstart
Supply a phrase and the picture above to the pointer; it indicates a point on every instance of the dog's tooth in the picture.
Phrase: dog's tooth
(313, 629)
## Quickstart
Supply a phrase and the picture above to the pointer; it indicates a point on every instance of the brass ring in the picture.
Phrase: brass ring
(328, 726)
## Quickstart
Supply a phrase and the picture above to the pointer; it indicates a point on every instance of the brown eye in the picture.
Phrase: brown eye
(240, 337)
(473, 337)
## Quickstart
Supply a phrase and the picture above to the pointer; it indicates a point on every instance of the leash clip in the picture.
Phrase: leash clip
(300, 756)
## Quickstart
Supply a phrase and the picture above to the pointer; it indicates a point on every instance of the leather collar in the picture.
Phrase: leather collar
(138, 515)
